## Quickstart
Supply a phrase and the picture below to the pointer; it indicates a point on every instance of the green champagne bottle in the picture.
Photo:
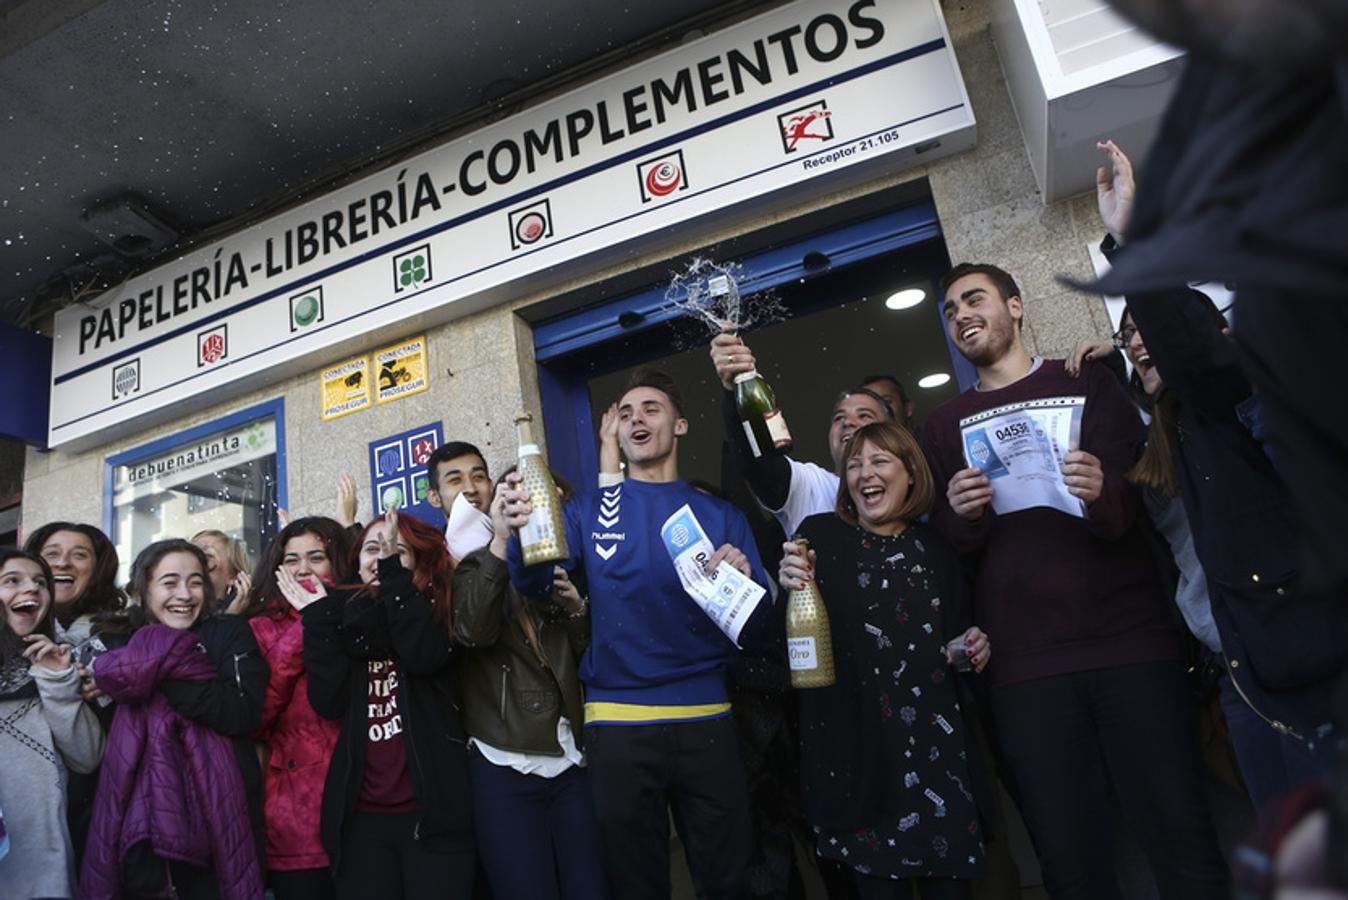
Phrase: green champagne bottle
(764, 424)
(543, 537)
(809, 640)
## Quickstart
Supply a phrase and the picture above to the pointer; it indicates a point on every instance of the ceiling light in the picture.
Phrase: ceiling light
(933, 381)
(906, 299)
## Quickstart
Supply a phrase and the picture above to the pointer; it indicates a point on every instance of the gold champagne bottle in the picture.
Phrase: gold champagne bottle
(809, 642)
(543, 537)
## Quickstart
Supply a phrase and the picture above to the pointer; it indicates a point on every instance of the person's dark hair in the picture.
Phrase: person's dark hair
(142, 570)
(843, 395)
(892, 438)
(11, 645)
(446, 452)
(646, 376)
(102, 594)
(266, 596)
(1000, 278)
(432, 572)
(898, 386)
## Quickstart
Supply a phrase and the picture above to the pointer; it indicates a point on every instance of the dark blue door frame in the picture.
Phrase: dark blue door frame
(574, 348)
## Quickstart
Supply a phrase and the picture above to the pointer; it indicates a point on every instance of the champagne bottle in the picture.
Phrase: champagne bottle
(809, 642)
(543, 537)
(764, 424)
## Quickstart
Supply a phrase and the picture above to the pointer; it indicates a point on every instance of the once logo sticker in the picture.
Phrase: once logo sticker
(662, 176)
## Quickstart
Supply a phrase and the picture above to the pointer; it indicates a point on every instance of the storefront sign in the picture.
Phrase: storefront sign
(345, 388)
(193, 460)
(800, 101)
(401, 370)
(398, 473)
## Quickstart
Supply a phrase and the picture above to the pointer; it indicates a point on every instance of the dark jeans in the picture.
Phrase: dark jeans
(1272, 764)
(538, 837)
(638, 773)
(1069, 739)
(927, 888)
(302, 884)
(383, 858)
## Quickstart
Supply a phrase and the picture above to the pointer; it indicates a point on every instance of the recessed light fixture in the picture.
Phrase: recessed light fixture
(906, 299)
(933, 381)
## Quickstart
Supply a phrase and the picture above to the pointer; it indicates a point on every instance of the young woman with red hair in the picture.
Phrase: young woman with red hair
(313, 551)
(396, 821)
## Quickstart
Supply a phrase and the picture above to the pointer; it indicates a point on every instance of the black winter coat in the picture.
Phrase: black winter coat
(342, 633)
(1285, 643)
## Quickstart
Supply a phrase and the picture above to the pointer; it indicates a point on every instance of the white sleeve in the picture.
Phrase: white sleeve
(813, 490)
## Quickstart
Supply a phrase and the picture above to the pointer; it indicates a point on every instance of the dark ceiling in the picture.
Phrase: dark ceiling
(206, 115)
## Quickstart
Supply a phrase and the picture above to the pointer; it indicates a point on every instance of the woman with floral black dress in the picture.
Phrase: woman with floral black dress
(891, 781)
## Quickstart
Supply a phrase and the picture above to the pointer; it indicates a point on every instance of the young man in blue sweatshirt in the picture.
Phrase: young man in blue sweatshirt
(658, 731)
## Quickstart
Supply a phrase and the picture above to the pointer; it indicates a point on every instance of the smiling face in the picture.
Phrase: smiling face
(981, 322)
(878, 483)
(369, 555)
(71, 557)
(25, 595)
(648, 426)
(175, 593)
(307, 558)
(218, 567)
(1136, 349)
(852, 412)
(467, 475)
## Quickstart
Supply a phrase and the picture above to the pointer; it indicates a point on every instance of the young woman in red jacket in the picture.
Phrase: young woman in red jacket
(299, 743)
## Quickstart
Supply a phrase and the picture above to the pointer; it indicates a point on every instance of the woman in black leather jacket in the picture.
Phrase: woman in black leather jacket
(523, 708)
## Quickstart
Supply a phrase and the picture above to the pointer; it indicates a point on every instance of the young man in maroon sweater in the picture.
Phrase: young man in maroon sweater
(1088, 690)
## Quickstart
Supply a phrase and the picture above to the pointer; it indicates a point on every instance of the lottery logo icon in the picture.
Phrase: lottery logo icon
(530, 224)
(126, 379)
(807, 123)
(680, 535)
(212, 346)
(306, 308)
(662, 176)
(980, 452)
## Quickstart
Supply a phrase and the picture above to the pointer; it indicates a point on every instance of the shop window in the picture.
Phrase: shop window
(227, 475)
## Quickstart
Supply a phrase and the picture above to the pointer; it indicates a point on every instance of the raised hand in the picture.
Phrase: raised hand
(347, 503)
(610, 455)
(43, 651)
(1084, 350)
(515, 505)
(731, 357)
(243, 588)
(388, 537)
(1115, 190)
(295, 593)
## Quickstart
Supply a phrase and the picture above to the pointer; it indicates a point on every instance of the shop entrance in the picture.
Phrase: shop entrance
(838, 288)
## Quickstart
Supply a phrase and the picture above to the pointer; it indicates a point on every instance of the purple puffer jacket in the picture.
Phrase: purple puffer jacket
(165, 778)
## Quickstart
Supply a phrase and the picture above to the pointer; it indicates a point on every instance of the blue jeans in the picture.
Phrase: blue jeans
(537, 837)
(1272, 764)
